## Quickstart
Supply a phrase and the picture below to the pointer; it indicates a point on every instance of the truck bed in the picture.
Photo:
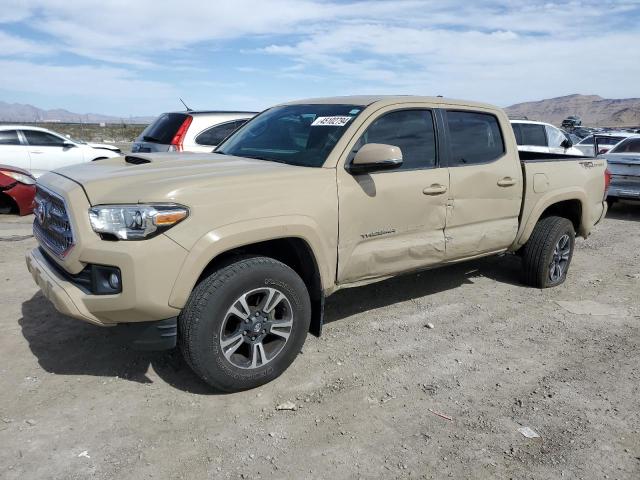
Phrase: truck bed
(551, 178)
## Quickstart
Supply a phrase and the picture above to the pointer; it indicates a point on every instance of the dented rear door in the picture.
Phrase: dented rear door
(485, 194)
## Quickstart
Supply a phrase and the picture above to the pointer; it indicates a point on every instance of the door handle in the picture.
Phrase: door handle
(36, 151)
(506, 182)
(435, 189)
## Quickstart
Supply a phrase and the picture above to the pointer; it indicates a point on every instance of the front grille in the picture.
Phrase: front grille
(51, 225)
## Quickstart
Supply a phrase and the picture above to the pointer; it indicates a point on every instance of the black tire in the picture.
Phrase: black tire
(203, 321)
(611, 201)
(540, 254)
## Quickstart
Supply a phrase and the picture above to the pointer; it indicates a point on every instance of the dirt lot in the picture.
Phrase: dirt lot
(74, 404)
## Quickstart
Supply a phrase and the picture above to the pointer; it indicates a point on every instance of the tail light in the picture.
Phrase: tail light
(607, 181)
(178, 138)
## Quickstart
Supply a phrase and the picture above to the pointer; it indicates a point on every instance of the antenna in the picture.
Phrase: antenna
(186, 106)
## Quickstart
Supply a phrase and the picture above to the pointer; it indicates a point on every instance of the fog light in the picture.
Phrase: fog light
(114, 281)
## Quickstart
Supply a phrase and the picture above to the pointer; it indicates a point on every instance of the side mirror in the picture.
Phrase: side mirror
(68, 145)
(374, 157)
(566, 143)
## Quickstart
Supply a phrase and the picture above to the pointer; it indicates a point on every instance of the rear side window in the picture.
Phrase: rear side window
(164, 128)
(609, 140)
(533, 135)
(214, 135)
(9, 137)
(42, 139)
(412, 131)
(474, 138)
(630, 145)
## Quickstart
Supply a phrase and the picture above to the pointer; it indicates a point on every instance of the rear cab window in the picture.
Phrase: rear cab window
(164, 128)
(474, 138)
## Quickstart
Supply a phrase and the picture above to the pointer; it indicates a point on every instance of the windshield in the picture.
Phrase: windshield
(301, 135)
(630, 145)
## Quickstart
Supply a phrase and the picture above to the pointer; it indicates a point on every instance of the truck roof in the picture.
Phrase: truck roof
(383, 100)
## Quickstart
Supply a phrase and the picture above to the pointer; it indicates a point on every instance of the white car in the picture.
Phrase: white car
(39, 150)
(606, 141)
(190, 131)
(542, 137)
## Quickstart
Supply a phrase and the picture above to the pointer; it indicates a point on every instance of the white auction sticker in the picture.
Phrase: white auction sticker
(330, 121)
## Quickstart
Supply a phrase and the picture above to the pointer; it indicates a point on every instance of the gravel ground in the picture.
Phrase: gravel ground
(380, 395)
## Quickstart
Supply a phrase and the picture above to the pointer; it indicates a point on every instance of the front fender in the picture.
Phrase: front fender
(235, 235)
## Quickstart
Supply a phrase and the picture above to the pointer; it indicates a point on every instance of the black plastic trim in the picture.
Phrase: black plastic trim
(87, 280)
(149, 336)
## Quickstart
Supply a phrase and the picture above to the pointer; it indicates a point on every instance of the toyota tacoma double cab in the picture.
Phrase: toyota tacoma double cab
(231, 254)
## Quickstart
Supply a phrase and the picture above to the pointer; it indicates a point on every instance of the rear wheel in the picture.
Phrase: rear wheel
(547, 255)
(245, 323)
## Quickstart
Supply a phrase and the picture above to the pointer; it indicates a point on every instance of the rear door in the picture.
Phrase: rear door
(49, 152)
(393, 221)
(485, 185)
(12, 151)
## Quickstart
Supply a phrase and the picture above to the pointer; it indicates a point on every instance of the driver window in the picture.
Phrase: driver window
(411, 130)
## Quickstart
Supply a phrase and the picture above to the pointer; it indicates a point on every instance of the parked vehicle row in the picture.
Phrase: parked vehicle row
(599, 143)
(624, 165)
(231, 255)
(190, 131)
(38, 150)
(543, 138)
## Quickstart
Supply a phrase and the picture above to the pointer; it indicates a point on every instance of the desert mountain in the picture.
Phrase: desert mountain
(594, 110)
(17, 112)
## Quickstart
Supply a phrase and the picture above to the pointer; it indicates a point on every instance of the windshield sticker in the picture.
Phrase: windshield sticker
(330, 121)
(355, 111)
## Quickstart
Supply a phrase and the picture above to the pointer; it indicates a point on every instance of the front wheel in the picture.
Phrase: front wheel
(547, 254)
(245, 323)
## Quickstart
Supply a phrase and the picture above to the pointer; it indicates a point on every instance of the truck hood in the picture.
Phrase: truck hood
(166, 177)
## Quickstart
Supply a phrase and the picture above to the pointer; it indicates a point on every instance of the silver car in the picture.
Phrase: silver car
(190, 131)
(623, 162)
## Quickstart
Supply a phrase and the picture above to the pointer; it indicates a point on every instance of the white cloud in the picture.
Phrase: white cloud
(501, 51)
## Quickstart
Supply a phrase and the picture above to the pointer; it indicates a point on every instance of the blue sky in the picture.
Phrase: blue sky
(136, 57)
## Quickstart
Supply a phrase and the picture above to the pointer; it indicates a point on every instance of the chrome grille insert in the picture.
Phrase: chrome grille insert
(51, 225)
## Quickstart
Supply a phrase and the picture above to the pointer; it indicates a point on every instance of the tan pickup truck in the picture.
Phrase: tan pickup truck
(231, 254)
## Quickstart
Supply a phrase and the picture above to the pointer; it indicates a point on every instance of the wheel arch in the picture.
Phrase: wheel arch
(569, 205)
(294, 251)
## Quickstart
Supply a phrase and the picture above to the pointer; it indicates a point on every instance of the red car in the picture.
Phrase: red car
(17, 189)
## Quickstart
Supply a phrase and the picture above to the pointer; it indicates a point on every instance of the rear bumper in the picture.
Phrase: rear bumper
(624, 191)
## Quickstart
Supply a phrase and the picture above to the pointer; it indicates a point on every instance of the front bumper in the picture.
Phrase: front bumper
(149, 269)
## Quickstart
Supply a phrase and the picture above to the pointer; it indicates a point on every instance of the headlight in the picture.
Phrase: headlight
(135, 222)
(20, 177)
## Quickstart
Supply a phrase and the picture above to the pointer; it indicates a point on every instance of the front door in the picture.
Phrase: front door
(393, 221)
(486, 186)
(48, 152)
